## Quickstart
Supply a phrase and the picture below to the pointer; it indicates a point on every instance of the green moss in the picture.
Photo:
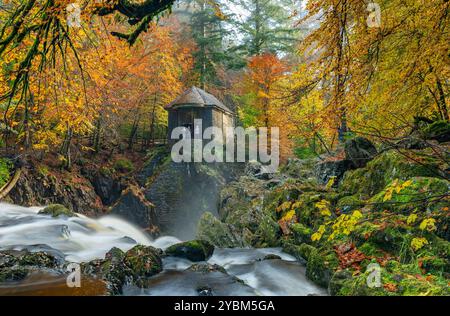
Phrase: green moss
(194, 250)
(301, 252)
(390, 165)
(142, 262)
(349, 203)
(421, 190)
(13, 274)
(268, 232)
(56, 210)
(301, 233)
(321, 266)
(123, 165)
(370, 250)
(6, 167)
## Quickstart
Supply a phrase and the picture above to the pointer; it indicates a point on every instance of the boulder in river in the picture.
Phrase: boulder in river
(133, 267)
(194, 250)
(56, 210)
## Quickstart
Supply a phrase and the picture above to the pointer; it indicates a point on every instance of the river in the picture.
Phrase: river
(82, 239)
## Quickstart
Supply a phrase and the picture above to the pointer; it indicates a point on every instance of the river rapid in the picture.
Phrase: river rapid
(82, 239)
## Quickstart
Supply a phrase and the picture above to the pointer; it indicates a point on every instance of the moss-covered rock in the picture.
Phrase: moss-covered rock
(422, 190)
(390, 165)
(301, 233)
(56, 210)
(142, 262)
(206, 268)
(338, 281)
(134, 267)
(320, 267)
(349, 203)
(14, 274)
(217, 233)
(16, 265)
(194, 250)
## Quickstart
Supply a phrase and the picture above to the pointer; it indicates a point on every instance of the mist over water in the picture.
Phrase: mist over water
(82, 239)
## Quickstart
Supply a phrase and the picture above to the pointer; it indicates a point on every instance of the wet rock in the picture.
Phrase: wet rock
(206, 268)
(205, 291)
(135, 208)
(16, 265)
(218, 233)
(195, 250)
(142, 262)
(107, 187)
(359, 151)
(56, 210)
(133, 267)
(272, 257)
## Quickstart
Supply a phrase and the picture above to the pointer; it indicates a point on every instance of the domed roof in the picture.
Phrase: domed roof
(197, 97)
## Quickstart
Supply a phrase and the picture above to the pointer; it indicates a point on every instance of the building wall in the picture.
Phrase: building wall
(209, 116)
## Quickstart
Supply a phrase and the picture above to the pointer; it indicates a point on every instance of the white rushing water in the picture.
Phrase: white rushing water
(82, 239)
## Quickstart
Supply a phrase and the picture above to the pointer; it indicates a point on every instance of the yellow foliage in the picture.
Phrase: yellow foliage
(428, 224)
(418, 243)
(411, 219)
(324, 207)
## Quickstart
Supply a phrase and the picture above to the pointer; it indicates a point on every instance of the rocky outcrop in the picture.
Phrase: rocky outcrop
(182, 192)
(107, 187)
(135, 208)
(332, 169)
(359, 151)
(392, 212)
(39, 186)
(390, 165)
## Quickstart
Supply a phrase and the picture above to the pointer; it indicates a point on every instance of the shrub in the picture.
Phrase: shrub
(123, 165)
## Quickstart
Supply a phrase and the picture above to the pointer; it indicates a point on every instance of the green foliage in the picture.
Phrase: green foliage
(437, 129)
(6, 166)
(123, 165)
(248, 114)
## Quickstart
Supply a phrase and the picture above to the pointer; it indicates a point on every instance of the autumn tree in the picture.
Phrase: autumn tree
(263, 73)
